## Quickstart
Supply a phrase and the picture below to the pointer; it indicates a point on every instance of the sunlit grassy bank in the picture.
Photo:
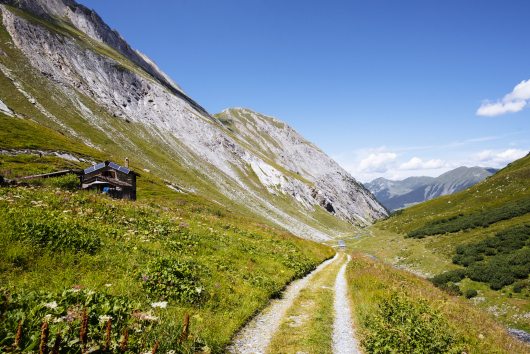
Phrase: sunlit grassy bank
(63, 252)
(397, 311)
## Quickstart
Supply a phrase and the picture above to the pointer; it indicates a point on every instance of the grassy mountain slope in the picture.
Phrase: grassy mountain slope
(219, 267)
(73, 113)
(433, 255)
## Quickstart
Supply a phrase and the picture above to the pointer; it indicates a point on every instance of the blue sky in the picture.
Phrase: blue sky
(387, 88)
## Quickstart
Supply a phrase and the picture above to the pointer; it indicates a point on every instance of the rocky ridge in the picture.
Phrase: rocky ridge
(102, 92)
(413, 190)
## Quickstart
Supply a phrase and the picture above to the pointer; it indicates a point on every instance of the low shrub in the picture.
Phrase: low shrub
(472, 221)
(518, 287)
(470, 293)
(402, 324)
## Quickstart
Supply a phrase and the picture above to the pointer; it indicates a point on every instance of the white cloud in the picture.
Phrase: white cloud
(378, 162)
(417, 164)
(493, 159)
(513, 102)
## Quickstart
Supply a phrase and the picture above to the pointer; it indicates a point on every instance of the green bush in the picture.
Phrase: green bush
(470, 293)
(402, 324)
(518, 287)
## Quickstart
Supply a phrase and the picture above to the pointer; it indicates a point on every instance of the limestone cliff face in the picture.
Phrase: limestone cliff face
(108, 89)
(334, 189)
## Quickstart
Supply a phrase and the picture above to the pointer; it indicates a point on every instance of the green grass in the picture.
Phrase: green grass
(238, 263)
(433, 255)
(308, 324)
(385, 302)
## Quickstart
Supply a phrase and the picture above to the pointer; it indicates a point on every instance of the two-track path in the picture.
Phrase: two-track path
(313, 316)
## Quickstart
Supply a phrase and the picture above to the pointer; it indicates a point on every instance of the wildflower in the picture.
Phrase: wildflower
(77, 287)
(43, 347)
(51, 305)
(58, 320)
(105, 318)
(145, 277)
(83, 337)
(172, 220)
(198, 290)
(165, 209)
(183, 224)
(171, 352)
(123, 346)
(217, 286)
(155, 347)
(109, 329)
(162, 304)
(91, 293)
(109, 205)
(47, 317)
(157, 211)
(58, 193)
(19, 333)
(57, 345)
(65, 199)
(149, 317)
(108, 285)
(186, 327)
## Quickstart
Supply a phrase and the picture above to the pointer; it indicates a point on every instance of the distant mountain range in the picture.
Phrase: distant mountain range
(413, 190)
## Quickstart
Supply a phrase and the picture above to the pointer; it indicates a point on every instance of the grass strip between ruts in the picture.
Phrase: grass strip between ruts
(308, 324)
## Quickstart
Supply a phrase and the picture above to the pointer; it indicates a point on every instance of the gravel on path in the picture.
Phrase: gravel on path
(255, 337)
(343, 334)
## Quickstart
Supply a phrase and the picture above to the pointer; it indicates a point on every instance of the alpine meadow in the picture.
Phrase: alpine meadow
(133, 220)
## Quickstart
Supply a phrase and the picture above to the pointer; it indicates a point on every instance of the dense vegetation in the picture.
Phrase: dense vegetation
(498, 260)
(472, 221)
(142, 265)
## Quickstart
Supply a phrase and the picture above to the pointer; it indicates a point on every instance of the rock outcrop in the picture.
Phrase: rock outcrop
(102, 92)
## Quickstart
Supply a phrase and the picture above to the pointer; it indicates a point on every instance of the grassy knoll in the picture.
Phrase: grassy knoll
(397, 311)
(143, 265)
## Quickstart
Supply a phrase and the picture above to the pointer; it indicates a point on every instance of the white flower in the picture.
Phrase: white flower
(105, 318)
(47, 317)
(171, 352)
(150, 318)
(162, 304)
(75, 290)
(108, 285)
(91, 293)
(198, 290)
(51, 305)
(58, 319)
